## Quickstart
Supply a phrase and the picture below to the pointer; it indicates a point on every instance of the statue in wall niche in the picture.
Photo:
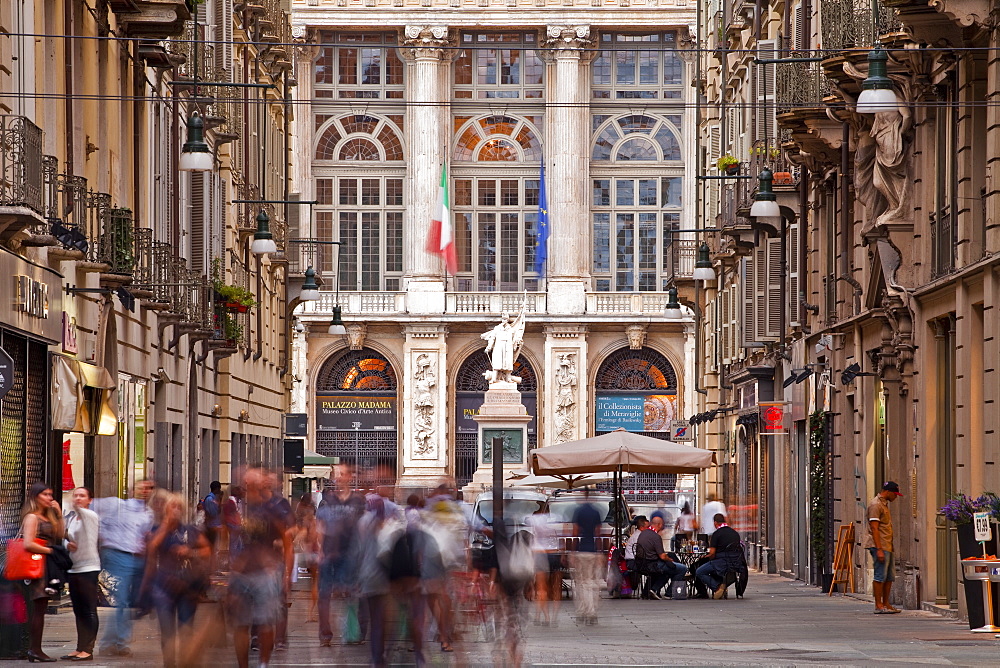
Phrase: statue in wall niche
(503, 343)
(566, 380)
(424, 381)
(890, 175)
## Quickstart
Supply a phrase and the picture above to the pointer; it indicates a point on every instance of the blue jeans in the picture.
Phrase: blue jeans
(126, 571)
(662, 572)
(713, 573)
(175, 614)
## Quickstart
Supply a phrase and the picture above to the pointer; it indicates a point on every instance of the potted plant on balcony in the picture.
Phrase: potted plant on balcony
(232, 331)
(728, 164)
(237, 299)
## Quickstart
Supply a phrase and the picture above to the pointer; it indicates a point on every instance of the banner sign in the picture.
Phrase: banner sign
(772, 418)
(365, 412)
(467, 408)
(634, 412)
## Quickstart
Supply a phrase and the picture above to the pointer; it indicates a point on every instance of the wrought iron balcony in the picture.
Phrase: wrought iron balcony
(856, 24)
(183, 48)
(110, 236)
(21, 175)
(799, 86)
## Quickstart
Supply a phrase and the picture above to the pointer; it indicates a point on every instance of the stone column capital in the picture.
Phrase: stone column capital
(565, 331)
(425, 331)
(426, 42)
(567, 40)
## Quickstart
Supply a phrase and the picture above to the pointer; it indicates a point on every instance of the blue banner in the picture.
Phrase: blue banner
(620, 412)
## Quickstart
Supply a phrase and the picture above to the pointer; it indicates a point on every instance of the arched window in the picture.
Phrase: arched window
(362, 370)
(360, 137)
(634, 137)
(516, 139)
(498, 150)
(637, 371)
(359, 149)
(636, 148)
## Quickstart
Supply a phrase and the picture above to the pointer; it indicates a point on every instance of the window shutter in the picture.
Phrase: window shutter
(764, 122)
(197, 217)
(774, 303)
(760, 290)
(219, 221)
(747, 301)
(799, 37)
(715, 152)
(794, 299)
(222, 18)
(735, 352)
(727, 325)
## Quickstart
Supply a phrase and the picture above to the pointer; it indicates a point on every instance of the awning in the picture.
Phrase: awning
(74, 407)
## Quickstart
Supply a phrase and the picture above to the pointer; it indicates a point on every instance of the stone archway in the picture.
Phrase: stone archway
(636, 390)
(356, 415)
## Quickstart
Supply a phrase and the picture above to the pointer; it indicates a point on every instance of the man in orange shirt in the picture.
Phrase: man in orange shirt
(879, 542)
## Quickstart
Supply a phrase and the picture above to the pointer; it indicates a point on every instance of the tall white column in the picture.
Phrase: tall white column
(566, 385)
(424, 434)
(567, 138)
(426, 149)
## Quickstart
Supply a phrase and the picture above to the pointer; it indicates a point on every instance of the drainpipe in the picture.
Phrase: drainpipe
(68, 71)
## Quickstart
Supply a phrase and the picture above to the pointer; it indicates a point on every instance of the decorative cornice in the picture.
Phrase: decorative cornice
(565, 331)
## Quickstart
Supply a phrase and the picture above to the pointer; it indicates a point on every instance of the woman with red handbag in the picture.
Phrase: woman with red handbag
(42, 525)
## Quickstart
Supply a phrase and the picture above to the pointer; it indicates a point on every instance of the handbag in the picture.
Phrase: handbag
(21, 564)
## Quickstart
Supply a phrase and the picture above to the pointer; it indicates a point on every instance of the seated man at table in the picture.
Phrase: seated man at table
(725, 555)
(652, 560)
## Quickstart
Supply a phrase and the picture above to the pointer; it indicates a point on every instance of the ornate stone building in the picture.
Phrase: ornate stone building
(881, 271)
(388, 92)
(127, 363)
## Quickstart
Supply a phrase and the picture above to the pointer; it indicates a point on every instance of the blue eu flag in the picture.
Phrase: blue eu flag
(542, 240)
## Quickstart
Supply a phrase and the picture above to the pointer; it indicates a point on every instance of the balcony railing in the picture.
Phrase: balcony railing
(799, 85)
(488, 303)
(110, 235)
(184, 46)
(850, 24)
(21, 171)
(681, 254)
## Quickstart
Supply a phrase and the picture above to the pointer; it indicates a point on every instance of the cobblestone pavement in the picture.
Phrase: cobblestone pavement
(780, 622)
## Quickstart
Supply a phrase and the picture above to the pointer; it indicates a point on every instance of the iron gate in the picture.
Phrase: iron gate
(23, 433)
(372, 454)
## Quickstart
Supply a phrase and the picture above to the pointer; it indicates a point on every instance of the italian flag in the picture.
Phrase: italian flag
(441, 240)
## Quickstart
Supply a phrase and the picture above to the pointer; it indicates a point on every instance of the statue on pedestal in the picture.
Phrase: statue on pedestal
(503, 346)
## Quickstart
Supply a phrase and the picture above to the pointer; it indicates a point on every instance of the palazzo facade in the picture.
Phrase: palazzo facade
(388, 92)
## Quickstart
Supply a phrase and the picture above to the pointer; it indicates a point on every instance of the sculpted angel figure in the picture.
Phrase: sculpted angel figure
(503, 343)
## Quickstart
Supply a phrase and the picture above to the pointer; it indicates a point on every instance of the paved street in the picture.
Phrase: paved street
(781, 622)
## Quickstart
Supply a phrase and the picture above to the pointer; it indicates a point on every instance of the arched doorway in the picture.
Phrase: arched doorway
(636, 390)
(470, 390)
(356, 414)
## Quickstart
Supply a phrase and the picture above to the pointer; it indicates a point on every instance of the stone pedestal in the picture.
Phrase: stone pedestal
(502, 414)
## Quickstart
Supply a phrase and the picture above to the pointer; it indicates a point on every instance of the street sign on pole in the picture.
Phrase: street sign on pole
(680, 431)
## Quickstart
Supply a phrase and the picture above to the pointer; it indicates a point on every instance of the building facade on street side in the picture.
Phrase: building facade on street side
(882, 268)
(598, 92)
(119, 264)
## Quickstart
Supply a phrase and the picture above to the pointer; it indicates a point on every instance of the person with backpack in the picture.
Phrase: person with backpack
(212, 504)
